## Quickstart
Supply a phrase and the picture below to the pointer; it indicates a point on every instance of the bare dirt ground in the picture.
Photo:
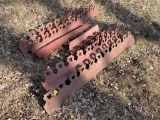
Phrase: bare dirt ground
(128, 89)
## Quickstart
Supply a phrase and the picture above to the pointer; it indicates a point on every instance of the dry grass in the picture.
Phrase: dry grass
(127, 89)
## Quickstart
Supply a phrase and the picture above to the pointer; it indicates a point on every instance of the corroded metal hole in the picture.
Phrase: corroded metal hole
(78, 73)
(67, 82)
(61, 86)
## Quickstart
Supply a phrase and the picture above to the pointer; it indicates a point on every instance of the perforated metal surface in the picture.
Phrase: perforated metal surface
(90, 61)
(47, 49)
(93, 51)
(54, 30)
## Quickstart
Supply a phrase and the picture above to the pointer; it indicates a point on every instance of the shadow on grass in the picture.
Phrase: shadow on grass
(143, 27)
(37, 68)
(10, 53)
(115, 109)
(140, 26)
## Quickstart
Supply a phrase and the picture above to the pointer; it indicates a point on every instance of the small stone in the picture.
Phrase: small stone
(129, 104)
(90, 113)
(8, 53)
(27, 85)
(79, 104)
(138, 80)
(93, 119)
(116, 86)
(133, 76)
(2, 87)
(128, 61)
(144, 85)
(83, 100)
(19, 73)
(151, 68)
(72, 116)
(39, 17)
(110, 95)
(19, 104)
(43, 112)
(31, 84)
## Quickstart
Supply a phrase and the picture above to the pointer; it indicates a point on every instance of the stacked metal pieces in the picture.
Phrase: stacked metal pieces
(93, 51)
(52, 35)
(81, 68)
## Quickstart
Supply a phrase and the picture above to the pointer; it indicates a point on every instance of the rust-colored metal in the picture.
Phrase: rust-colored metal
(52, 34)
(83, 37)
(24, 44)
(47, 49)
(54, 30)
(63, 71)
(92, 50)
(53, 79)
(104, 48)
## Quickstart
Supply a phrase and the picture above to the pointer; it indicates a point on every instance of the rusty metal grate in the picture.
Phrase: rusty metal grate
(82, 67)
(92, 50)
(51, 35)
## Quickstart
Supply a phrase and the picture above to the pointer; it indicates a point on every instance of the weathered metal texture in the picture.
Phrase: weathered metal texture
(101, 52)
(51, 34)
(53, 30)
(63, 71)
(24, 44)
(53, 79)
(83, 37)
(47, 49)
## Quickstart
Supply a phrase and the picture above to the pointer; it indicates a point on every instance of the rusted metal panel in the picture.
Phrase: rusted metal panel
(84, 36)
(89, 12)
(53, 34)
(93, 51)
(47, 49)
(98, 42)
(24, 44)
(51, 81)
(53, 30)
(98, 59)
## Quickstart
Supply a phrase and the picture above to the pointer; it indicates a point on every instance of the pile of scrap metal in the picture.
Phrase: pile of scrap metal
(93, 51)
